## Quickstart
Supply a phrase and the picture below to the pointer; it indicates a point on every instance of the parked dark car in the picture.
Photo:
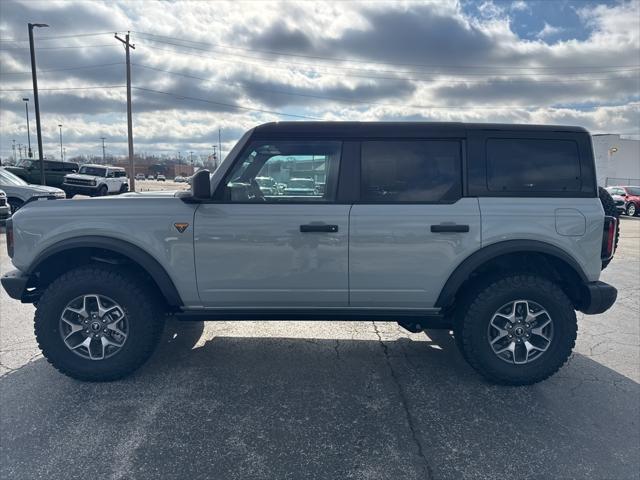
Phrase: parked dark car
(629, 195)
(54, 171)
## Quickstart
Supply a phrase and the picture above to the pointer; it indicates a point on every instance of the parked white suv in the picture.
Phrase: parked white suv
(96, 181)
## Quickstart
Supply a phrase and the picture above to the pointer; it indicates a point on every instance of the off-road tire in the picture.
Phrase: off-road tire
(124, 188)
(141, 305)
(486, 299)
(103, 191)
(610, 210)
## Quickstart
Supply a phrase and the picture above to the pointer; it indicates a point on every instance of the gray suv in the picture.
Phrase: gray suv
(496, 232)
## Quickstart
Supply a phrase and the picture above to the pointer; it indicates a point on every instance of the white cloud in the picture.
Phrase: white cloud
(549, 31)
(405, 59)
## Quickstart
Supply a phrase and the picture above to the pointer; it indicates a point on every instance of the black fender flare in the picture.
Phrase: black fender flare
(495, 250)
(122, 247)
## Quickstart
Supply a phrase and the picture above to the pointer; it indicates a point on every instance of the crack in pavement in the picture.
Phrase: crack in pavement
(405, 404)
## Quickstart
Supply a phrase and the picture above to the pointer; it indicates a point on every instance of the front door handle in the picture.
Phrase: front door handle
(313, 227)
(446, 228)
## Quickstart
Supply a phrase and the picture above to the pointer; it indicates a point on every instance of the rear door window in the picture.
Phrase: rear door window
(416, 171)
(532, 165)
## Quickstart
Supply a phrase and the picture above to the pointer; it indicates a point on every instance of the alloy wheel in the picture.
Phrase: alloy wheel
(520, 332)
(94, 326)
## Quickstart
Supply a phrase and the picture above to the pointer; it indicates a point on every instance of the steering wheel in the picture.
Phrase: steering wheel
(254, 192)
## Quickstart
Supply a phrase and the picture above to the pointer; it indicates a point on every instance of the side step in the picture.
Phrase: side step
(408, 319)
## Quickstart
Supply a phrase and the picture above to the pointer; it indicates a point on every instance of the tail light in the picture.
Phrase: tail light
(609, 237)
(9, 228)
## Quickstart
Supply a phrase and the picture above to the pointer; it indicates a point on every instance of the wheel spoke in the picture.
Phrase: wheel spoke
(529, 329)
(101, 321)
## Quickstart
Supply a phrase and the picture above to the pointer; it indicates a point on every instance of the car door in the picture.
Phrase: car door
(412, 226)
(256, 249)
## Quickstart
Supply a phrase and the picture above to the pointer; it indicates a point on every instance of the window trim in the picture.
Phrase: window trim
(216, 196)
(462, 170)
(476, 175)
(527, 193)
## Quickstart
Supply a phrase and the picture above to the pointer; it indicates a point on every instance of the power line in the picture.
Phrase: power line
(229, 105)
(64, 69)
(344, 99)
(401, 72)
(317, 57)
(62, 48)
(423, 79)
(92, 87)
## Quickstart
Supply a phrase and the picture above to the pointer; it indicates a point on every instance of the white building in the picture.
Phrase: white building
(617, 160)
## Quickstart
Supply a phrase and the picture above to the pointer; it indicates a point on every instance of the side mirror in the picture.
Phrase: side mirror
(201, 185)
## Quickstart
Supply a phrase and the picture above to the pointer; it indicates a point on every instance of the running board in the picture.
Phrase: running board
(428, 318)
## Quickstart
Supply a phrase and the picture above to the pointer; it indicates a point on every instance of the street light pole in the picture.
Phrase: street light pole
(35, 97)
(61, 154)
(13, 149)
(103, 155)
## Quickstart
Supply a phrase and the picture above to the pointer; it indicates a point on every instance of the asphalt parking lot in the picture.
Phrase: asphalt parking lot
(365, 400)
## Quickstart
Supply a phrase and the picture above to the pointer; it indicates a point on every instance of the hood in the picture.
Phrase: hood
(161, 194)
(82, 176)
(42, 188)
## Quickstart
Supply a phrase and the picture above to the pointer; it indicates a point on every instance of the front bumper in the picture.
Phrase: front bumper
(80, 189)
(15, 283)
(599, 297)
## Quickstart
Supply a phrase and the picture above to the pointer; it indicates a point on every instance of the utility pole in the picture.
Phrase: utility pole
(215, 157)
(26, 110)
(61, 154)
(191, 158)
(13, 149)
(104, 162)
(220, 143)
(35, 98)
(127, 47)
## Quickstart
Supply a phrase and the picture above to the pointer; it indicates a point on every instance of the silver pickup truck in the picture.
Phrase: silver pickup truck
(496, 232)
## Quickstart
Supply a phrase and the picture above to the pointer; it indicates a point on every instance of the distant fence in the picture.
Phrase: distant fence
(611, 181)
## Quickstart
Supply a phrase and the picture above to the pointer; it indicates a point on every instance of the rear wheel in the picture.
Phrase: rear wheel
(97, 323)
(124, 188)
(632, 209)
(517, 330)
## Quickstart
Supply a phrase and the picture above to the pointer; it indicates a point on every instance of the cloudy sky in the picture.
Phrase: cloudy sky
(202, 66)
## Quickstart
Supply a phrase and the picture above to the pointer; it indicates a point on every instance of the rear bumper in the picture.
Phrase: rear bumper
(15, 283)
(599, 297)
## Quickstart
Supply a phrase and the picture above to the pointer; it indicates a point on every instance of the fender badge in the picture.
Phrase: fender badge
(181, 227)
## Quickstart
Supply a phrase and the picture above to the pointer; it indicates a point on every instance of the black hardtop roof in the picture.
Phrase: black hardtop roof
(400, 129)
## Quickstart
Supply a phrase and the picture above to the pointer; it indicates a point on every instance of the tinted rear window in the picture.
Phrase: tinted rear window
(411, 171)
(532, 165)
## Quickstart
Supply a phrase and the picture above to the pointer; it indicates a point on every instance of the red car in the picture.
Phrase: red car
(631, 196)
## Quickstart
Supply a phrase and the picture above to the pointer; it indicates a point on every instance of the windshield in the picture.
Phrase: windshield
(633, 190)
(301, 183)
(9, 179)
(97, 171)
(25, 163)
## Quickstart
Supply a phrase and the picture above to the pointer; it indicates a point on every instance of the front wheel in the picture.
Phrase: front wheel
(103, 191)
(517, 330)
(97, 323)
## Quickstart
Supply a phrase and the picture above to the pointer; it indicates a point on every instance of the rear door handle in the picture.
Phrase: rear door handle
(313, 227)
(446, 228)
